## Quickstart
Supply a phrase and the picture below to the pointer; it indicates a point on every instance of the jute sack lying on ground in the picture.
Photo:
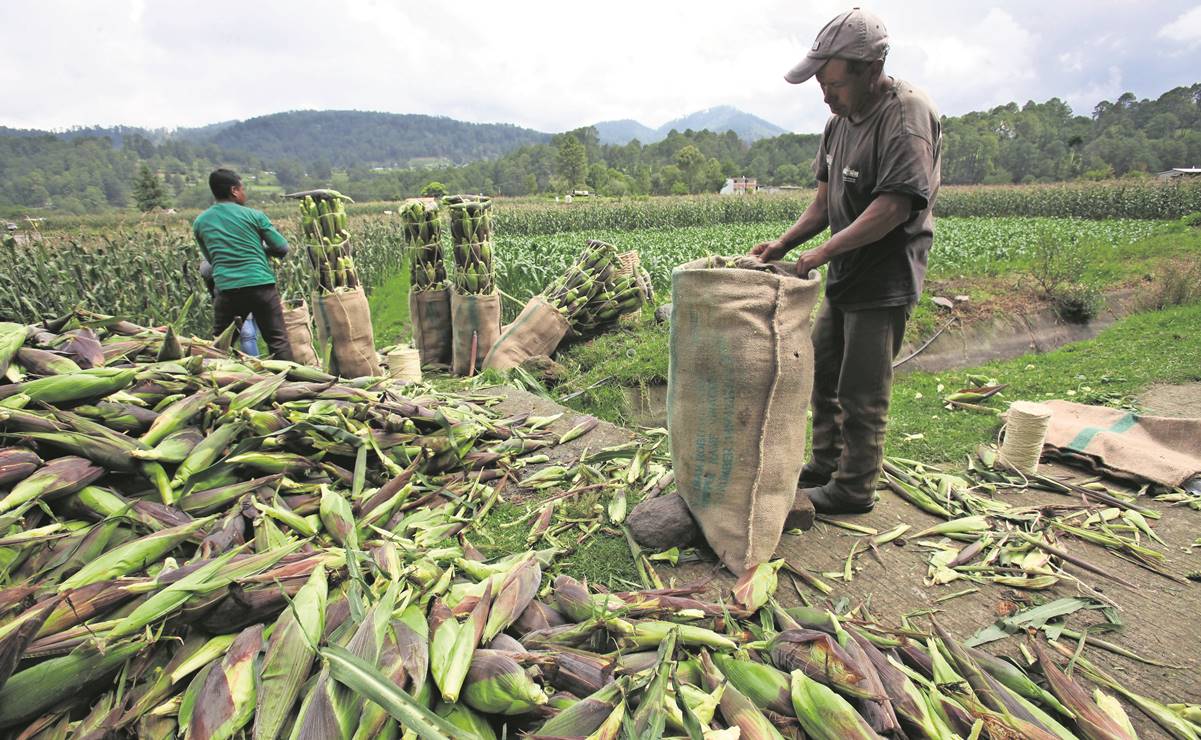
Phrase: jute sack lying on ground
(1160, 449)
(537, 330)
(299, 326)
(344, 322)
(739, 379)
(429, 311)
(476, 326)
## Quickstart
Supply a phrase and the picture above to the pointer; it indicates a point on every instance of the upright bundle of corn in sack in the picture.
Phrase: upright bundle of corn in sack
(740, 354)
(343, 315)
(474, 302)
(429, 292)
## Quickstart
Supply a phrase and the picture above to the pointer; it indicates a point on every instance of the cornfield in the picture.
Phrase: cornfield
(150, 274)
(146, 270)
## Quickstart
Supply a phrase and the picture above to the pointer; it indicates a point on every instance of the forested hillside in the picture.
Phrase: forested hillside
(386, 156)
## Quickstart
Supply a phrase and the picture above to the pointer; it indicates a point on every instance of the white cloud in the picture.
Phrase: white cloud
(1186, 29)
(980, 64)
(544, 64)
(1083, 100)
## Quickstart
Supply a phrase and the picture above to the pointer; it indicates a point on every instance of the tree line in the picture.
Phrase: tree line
(1036, 142)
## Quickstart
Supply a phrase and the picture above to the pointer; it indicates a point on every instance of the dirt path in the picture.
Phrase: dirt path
(1182, 401)
(1160, 618)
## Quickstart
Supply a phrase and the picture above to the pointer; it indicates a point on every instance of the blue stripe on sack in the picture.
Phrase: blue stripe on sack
(1082, 440)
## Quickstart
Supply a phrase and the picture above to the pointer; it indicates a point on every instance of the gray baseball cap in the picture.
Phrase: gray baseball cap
(855, 34)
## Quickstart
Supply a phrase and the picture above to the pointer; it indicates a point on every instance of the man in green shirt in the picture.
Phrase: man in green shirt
(236, 241)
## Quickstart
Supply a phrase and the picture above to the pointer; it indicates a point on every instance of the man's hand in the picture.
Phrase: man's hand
(810, 260)
(768, 251)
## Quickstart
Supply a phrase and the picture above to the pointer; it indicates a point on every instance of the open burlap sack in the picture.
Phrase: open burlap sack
(476, 327)
(345, 318)
(429, 311)
(537, 330)
(739, 379)
(299, 325)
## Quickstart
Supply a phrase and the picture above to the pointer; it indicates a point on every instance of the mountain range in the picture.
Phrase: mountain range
(348, 138)
(720, 119)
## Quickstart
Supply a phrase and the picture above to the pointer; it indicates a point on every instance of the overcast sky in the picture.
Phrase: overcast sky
(553, 66)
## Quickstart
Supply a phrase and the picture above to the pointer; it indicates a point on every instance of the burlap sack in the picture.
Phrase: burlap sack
(739, 379)
(1160, 449)
(429, 311)
(476, 324)
(299, 326)
(345, 318)
(537, 330)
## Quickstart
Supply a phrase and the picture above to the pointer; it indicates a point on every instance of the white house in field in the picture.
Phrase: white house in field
(739, 186)
(1176, 172)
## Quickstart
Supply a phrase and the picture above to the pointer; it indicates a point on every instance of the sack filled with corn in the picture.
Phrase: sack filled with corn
(760, 393)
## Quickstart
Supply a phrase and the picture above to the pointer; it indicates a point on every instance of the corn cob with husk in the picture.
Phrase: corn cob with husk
(323, 223)
(471, 244)
(422, 226)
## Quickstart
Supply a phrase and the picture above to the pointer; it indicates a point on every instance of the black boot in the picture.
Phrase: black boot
(812, 478)
(829, 500)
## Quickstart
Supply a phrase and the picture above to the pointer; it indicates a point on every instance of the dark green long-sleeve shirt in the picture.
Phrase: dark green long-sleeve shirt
(236, 241)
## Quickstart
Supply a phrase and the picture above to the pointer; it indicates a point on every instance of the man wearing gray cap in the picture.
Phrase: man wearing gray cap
(877, 177)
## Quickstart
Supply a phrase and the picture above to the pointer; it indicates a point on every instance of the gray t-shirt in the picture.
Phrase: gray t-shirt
(893, 148)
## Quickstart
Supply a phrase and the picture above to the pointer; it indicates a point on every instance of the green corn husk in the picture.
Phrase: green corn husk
(611, 728)
(215, 499)
(32, 691)
(964, 525)
(496, 684)
(337, 517)
(134, 556)
(214, 575)
(16, 635)
(767, 687)
(647, 633)
(174, 448)
(175, 416)
(516, 591)
(363, 678)
(257, 393)
(227, 699)
(206, 452)
(289, 656)
(466, 720)
(587, 715)
(90, 383)
(824, 714)
(44, 362)
(57, 478)
(650, 719)
(92, 545)
(391, 664)
(108, 453)
(450, 654)
(12, 337)
(737, 710)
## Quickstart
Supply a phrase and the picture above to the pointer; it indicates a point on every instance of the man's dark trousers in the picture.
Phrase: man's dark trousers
(852, 385)
(261, 301)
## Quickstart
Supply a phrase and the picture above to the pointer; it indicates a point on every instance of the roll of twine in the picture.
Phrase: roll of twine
(1024, 432)
(404, 364)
